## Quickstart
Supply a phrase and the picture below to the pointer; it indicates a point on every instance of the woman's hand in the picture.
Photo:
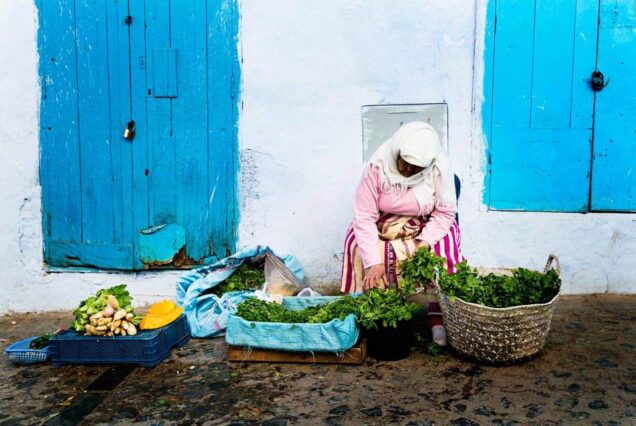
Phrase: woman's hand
(374, 276)
(423, 244)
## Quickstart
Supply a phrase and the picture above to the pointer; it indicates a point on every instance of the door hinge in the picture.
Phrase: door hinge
(128, 20)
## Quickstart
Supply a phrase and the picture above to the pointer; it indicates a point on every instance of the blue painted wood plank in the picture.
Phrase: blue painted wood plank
(613, 174)
(59, 142)
(544, 169)
(121, 149)
(223, 102)
(553, 63)
(488, 83)
(94, 118)
(162, 178)
(190, 112)
(513, 63)
(139, 87)
(164, 69)
(584, 58)
(105, 256)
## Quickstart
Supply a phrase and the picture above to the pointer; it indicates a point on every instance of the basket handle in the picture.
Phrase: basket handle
(552, 258)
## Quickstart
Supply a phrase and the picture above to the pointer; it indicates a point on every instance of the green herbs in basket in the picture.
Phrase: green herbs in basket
(524, 287)
(245, 278)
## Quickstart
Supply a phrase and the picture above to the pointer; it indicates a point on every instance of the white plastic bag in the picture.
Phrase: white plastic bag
(279, 279)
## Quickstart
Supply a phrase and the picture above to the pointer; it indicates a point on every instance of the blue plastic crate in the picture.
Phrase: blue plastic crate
(147, 348)
(21, 353)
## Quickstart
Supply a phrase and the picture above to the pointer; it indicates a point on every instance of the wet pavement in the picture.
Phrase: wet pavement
(585, 375)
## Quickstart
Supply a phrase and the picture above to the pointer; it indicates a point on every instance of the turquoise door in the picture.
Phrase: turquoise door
(166, 196)
(554, 143)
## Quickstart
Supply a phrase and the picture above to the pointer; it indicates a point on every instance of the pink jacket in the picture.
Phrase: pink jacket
(370, 201)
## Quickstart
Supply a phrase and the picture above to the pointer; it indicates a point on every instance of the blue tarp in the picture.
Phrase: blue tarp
(333, 336)
(207, 313)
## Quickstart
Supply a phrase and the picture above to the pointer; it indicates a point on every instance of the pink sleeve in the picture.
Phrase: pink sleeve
(438, 224)
(365, 216)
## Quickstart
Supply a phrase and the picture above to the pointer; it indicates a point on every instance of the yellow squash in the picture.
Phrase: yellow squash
(160, 314)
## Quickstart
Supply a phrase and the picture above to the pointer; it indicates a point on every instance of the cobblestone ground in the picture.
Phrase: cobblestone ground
(586, 375)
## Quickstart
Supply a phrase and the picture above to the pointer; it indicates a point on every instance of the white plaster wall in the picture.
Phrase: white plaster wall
(308, 67)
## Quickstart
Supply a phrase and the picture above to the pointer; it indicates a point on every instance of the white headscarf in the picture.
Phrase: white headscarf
(418, 144)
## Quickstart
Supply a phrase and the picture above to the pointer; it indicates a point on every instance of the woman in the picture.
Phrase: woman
(405, 201)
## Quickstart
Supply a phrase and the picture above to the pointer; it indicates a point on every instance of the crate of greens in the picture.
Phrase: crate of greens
(499, 318)
(318, 324)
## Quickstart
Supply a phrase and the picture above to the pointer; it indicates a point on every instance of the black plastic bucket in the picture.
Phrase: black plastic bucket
(388, 343)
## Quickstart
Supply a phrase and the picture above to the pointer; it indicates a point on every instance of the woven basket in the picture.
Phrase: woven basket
(498, 335)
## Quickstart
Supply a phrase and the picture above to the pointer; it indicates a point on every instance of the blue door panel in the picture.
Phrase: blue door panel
(59, 141)
(189, 118)
(539, 141)
(83, 175)
(543, 150)
(164, 78)
(223, 89)
(613, 174)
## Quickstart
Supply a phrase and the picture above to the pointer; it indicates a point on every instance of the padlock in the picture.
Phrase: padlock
(129, 131)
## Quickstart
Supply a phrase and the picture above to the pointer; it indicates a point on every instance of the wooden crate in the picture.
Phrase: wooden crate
(356, 355)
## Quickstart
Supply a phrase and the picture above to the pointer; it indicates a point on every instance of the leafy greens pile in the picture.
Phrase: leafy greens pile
(246, 277)
(97, 303)
(373, 309)
(524, 287)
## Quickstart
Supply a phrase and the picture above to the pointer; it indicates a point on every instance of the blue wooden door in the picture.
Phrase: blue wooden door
(538, 103)
(166, 198)
(85, 163)
(614, 161)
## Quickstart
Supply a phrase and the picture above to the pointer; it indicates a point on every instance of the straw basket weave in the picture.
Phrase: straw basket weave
(498, 335)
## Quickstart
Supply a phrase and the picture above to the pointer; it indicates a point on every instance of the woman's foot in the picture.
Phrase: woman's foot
(439, 335)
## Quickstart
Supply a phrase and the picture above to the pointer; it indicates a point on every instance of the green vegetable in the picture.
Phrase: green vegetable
(524, 287)
(97, 303)
(257, 310)
(246, 277)
(420, 268)
(372, 309)
(43, 341)
(385, 307)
